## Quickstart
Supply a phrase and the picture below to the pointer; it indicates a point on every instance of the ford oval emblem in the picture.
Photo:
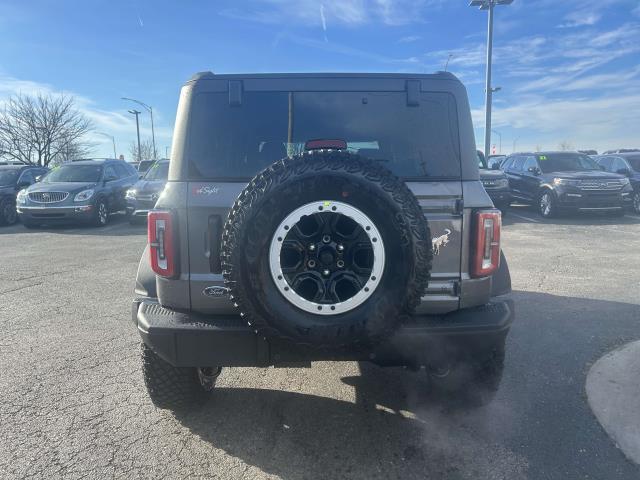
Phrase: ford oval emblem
(215, 291)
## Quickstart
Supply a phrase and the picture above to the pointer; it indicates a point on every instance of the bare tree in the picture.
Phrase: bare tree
(38, 130)
(146, 151)
(565, 146)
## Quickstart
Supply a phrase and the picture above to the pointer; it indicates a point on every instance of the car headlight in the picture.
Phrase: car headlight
(131, 193)
(22, 196)
(566, 181)
(84, 195)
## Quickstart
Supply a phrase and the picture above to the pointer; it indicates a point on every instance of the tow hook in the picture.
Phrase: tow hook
(208, 376)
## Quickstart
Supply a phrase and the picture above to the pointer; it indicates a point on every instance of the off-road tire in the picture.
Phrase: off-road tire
(326, 176)
(169, 387)
(471, 381)
(8, 214)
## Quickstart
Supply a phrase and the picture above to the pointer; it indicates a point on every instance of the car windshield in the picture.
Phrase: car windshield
(159, 171)
(237, 141)
(74, 173)
(566, 162)
(634, 161)
(8, 177)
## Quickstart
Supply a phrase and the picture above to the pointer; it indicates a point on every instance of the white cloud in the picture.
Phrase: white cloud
(348, 12)
(410, 39)
(581, 19)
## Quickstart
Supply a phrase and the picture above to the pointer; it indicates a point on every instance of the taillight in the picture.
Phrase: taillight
(162, 247)
(486, 258)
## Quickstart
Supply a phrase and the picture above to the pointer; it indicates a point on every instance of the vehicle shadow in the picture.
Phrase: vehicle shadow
(528, 214)
(118, 226)
(393, 428)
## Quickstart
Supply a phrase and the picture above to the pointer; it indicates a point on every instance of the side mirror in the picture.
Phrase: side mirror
(534, 170)
(38, 178)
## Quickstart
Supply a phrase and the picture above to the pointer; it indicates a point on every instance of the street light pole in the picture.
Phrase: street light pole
(488, 5)
(113, 140)
(153, 133)
(136, 113)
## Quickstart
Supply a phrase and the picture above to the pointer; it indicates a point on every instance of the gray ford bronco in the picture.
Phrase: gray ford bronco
(333, 217)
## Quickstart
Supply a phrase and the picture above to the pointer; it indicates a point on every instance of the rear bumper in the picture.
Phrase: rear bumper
(191, 340)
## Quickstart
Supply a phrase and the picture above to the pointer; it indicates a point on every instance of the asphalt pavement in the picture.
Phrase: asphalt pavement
(73, 403)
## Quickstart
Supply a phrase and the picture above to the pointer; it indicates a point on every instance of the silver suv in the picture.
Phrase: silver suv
(323, 217)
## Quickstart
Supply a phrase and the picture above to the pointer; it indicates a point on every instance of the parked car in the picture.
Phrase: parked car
(565, 181)
(14, 178)
(323, 216)
(496, 184)
(495, 161)
(589, 152)
(85, 191)
(627, 164)
(143, 196)
(143, 166)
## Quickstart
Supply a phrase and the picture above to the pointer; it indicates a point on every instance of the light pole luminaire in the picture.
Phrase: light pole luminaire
(488, 5)
(153, 133)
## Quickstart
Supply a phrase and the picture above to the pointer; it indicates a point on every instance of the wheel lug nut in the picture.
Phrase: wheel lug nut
(340, 263)
(340, 248)
(326, 239)
(326, 273)
(311, 263)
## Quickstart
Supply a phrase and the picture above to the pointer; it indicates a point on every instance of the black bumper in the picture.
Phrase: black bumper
(191, 340)
(81, 213)
(584, 200)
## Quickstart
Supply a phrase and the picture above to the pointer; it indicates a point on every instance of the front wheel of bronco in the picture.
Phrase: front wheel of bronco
(469, 382)
(176, 388)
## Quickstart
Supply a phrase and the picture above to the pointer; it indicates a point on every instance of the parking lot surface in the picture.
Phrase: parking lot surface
(74, 404)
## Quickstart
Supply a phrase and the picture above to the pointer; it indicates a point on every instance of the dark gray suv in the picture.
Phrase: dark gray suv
(323, 217)
(83, 191)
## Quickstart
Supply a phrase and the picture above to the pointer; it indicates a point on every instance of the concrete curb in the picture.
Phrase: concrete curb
(613, 390)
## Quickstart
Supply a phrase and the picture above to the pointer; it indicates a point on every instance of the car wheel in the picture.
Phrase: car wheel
(8, 213)
(547, 204)
(327, 250)
(471, 381)
(176, 388)
(101, 214)
(636, 202)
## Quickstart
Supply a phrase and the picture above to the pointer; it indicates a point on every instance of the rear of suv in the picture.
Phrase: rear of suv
(322, 217)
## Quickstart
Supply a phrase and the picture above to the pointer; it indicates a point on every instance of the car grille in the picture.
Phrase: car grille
(148, 197)
(48, 197)
(606, 185)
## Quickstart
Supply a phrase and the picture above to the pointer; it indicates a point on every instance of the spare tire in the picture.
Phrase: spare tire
(326, 249)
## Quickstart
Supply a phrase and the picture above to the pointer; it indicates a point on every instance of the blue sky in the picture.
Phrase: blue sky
(569, 69)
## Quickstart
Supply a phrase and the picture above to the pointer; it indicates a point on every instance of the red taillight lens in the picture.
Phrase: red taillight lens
(486, 258)
(162, 247)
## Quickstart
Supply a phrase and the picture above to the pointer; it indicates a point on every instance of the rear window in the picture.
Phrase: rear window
(233, 142)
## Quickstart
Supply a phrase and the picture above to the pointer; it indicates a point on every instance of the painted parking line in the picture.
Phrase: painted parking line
(522, 217)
